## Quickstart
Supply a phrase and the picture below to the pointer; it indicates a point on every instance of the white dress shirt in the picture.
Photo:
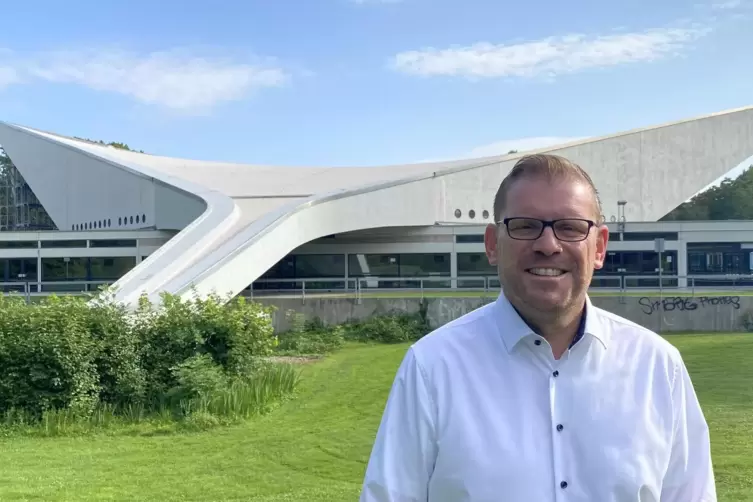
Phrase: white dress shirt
(480, 411)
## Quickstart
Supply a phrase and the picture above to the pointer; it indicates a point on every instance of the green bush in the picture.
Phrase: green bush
(122, 378)
(47, 357)
(66, 358)
(390, 328)
(310, 336)
(198, 377)
(235, 335)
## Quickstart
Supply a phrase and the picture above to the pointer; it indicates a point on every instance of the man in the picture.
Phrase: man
(540, 396)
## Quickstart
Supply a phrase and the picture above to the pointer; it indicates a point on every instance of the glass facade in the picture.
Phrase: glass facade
(643, 236)
(18, 270)
(476, 265)
(430, 267)
(83, 269)
(394, 271)
(719, 258)
(619, 264)
(283, 274)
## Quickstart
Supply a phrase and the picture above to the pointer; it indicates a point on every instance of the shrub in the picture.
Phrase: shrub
(47, 356)
(197, 377)
(310, 336)
(390, 328)
(121, 374)
(746, 321)
(69, 358)
(234, 335)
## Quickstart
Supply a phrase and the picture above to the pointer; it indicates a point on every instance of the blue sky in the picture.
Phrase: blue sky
(364, 82)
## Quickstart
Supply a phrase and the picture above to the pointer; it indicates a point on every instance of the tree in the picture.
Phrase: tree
(116, 144)
(730, 200)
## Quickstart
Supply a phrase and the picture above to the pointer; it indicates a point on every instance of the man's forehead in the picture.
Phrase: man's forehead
(568, 191)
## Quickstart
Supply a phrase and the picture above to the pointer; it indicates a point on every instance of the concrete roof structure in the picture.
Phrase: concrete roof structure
(235, 221)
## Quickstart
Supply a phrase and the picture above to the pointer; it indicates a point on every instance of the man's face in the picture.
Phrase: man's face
(521, 263)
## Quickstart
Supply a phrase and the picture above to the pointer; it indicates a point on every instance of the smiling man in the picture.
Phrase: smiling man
(540, 396)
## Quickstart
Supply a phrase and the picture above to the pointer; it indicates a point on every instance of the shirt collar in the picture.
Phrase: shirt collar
(513, 328)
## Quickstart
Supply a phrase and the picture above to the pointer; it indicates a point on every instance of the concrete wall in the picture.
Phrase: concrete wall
(654, 169)
(69, 184)
(666, 314)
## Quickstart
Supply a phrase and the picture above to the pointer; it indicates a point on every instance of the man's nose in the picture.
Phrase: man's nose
(547, 243)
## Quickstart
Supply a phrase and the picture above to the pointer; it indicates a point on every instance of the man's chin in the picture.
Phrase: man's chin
(547, 299)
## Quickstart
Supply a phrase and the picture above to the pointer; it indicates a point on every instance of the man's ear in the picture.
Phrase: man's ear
(602, 238)
(490, 242)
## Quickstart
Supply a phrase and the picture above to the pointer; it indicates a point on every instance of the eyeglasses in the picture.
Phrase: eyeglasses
(530, 229)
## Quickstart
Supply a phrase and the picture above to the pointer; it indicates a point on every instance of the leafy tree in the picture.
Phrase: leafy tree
(116, 144)
(730, 200)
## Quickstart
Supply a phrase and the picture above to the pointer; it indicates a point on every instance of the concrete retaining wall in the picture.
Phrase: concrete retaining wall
(666, 314)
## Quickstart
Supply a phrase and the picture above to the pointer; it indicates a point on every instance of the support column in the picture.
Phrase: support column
(347, 271)
(682, 263)
(454, 268)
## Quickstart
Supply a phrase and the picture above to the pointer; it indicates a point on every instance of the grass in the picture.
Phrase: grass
(315, 447)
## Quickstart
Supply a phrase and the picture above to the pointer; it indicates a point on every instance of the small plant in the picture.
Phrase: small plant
(309, 337)
(746, 321)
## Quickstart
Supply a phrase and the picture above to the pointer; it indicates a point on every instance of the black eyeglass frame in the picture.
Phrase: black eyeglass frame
(548, 223)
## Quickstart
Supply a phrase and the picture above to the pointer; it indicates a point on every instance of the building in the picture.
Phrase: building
(219, 227)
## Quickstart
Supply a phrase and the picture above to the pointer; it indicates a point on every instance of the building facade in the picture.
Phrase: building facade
(692, 254)
(232, 225)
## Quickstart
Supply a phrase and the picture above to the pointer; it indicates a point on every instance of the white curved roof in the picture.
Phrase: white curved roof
(252, 215)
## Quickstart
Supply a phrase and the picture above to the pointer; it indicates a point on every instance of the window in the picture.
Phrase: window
(319, 265)
(475, 264)
(111, 269)
(113, 243)
(424, 264)
(647, 236)
(63, 244)
(13, 267)
(283, 269)
(402, 265)
(469, 238)
(19, 244)
(61, 269)
(383, 265)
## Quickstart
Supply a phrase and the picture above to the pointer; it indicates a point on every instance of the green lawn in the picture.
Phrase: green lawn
(315, 447)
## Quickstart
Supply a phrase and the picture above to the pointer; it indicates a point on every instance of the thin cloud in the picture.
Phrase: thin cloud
(366, 2)
(175, 80)
(8, 76)
(726, 5)
(547, 57)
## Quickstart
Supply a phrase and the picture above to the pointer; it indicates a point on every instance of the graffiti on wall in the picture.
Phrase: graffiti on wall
(651, 305)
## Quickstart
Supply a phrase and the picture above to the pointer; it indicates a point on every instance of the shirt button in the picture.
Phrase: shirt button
(560, 427)
(537, 342)
(563, 484)
(556, 374)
